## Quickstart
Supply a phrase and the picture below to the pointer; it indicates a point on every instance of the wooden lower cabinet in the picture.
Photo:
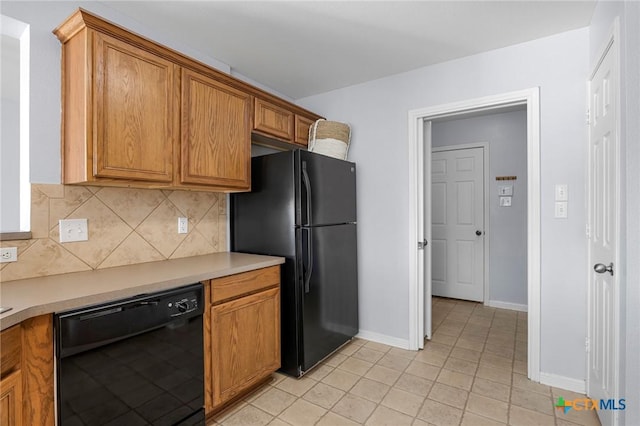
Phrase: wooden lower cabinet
(245, 343)
(26, 374)
(11, 400)
(242, 330)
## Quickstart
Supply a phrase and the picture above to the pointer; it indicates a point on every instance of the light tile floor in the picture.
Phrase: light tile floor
(473, 372)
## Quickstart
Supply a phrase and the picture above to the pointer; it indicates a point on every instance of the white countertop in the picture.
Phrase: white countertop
(37, 296)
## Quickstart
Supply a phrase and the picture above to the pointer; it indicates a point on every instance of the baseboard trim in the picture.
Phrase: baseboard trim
(562, 382)
(507, 305)
(384, 339)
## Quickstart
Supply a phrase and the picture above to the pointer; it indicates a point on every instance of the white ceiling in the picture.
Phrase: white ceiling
(302, 48)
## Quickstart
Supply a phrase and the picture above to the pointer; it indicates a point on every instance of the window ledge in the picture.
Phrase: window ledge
(9, 236)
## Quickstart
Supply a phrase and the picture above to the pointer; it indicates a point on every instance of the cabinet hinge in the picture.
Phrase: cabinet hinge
(588, 231)
(587, 345)
(588, 117)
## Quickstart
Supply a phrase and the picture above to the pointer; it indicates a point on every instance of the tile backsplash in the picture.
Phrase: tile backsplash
(126, 226)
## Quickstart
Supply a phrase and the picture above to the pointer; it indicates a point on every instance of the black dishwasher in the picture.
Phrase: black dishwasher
(137, 361)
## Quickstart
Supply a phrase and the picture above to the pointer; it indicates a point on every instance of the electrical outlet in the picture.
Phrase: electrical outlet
(73, 230)
(8, 254)
(183, 225)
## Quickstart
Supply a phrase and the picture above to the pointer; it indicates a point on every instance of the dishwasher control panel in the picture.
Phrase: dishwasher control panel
(182, 306)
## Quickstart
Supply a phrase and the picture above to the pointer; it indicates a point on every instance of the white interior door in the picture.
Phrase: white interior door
(457, 217)
(603, 236)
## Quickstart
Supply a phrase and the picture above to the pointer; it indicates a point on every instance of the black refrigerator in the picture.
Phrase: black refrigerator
(302, 207)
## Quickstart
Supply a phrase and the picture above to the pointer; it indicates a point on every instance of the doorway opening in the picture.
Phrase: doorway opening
(479, 207)
(420, 274)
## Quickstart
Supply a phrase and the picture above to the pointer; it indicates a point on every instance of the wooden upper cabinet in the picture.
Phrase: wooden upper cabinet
(216, 134)
(273, 120)
(281, 125)
(302, 130)
(136, 113)
(133, 111)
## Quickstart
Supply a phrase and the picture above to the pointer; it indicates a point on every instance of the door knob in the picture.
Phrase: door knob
(478, 233)
(601, 268)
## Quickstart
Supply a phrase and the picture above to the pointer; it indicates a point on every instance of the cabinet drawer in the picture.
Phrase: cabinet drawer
(247, 282)
(10, 350)
(273, 120)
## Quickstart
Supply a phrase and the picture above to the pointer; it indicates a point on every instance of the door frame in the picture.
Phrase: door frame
(485, 203)
(612, 43)
(419, 155)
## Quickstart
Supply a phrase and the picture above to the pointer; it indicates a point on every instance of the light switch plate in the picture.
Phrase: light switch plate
(505, 201)
(505, 190)
(562, 192)
(73, 230)
(561, 210)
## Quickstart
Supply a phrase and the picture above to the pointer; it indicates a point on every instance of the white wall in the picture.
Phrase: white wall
(377, 111)
(10, 133)
(629, 269)
(10, 166)
(45, 72)
(506, 136)
(259, 150)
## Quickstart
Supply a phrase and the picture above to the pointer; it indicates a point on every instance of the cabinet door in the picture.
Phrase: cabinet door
(302, 130)
(10, 349)
(216, 134)
(11, 400)
(273, 120)
(245, 340)
(133, 112)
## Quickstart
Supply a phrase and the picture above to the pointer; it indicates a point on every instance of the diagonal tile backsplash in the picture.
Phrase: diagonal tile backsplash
(126, 226)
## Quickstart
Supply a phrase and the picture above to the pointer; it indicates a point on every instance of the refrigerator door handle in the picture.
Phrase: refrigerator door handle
(309, 271)
(307, 185)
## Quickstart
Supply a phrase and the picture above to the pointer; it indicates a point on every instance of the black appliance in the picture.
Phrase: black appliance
(137, 361)
(303, 207)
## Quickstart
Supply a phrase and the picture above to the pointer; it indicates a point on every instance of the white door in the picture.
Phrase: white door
(457, 218)
(603, 235)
